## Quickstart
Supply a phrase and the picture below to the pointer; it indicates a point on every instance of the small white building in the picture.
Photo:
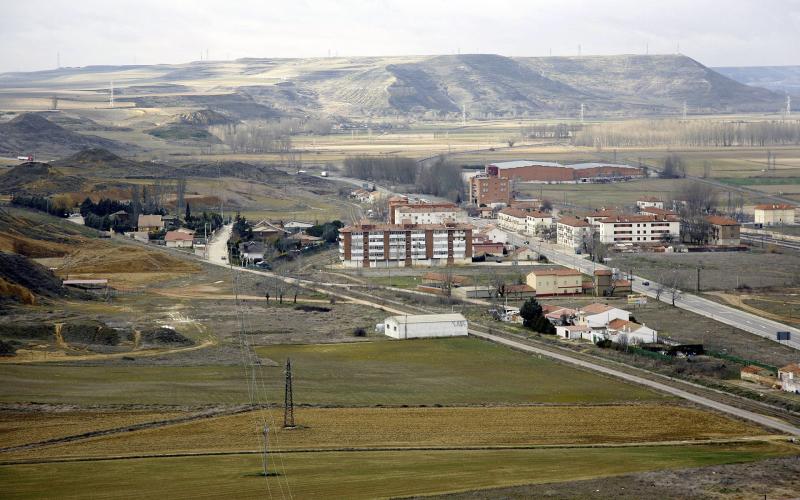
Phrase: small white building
(512, 219)
(573, 332)
(415, 326)
(622, 331)
(774, 215)
(789, 377)
(649, 202)
(598, 316)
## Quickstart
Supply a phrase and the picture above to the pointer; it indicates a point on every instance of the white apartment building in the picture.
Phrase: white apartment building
(512, 219)
(405, 245)
(428, 214)
(650, 202)
(536, 221)
(571, 232)
(638, 228)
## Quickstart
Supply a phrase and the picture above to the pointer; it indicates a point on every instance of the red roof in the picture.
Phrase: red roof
(573, 222)
(178, 236)
(718, 220)
(556, 271)
(514, 212)
(793, 368)
(776, 206)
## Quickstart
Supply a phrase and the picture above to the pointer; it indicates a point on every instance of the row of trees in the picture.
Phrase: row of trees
(255, 137)
(442, 178)
(41, 203)
(694, 133)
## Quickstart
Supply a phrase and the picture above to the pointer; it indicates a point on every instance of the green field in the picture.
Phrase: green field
(352, 475)
(444, 371)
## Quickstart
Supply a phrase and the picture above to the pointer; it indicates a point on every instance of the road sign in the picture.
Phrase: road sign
(784, 335)
(637, 300)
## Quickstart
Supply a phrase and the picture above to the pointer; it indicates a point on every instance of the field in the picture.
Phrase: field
(353, 474)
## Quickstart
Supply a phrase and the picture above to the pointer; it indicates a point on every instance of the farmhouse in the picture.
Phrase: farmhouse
(150, 223)
(789, 377)
(573, 332)
(723, 231)
(251, 251)
(598, 316)
(425, 326)
(405, 245)
(775, 214)
(555, 281)
(624, 331)
(547, 172)
(571, 232)
(179, 239)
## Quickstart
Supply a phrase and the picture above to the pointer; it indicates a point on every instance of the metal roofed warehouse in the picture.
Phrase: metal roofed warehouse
(414, 326)
(546, 171)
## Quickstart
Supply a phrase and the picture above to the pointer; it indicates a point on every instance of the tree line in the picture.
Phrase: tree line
(442, 178)
(694, 133)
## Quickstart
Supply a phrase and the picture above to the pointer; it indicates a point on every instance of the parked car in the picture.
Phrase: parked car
(646, 283)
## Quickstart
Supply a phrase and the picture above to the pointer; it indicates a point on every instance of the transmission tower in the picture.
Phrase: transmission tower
(111, 96)
(288, 402)
(788, 106)
(685, 110)
(463, 115)
(581, 112)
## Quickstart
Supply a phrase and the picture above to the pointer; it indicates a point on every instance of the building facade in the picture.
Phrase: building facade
(555, 281)
(512, 219)
(535, 222)
(415, 326)
(774, 215)
(405, 245)
(571, 232)
(638, 229)
(488, 189)
(789, 377)
(543, 171)
(428, 214)
(723, 231)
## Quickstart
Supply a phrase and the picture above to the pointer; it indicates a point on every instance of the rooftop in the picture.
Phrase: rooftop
(178, 236)
(790, 368)
(427, 318)
(718, 220)
(556, 271)
(638, 218)
(620, 324)
(428, 207)
(657, 211)
(404, 227)
(776, 206)
(573, 222)
(514, 212)
(597, 308)
(575, 166)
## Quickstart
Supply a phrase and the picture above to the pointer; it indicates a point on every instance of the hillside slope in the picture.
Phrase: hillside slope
(485, 84)
(37, 178)
(29, 133)
(783, 79)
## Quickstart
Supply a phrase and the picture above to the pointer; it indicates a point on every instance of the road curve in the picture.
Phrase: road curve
(722, 407)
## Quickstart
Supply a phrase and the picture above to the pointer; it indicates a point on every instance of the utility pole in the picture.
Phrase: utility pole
(582, 112)
(788, 106)
(463, 115)
(698, 278)
(288, 402)
(111, 95)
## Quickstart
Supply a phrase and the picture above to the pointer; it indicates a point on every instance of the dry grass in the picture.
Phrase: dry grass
(22, 427)
(336, 428)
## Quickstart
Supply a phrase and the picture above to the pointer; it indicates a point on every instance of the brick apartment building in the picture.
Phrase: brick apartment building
(487, 189)
(405, 245)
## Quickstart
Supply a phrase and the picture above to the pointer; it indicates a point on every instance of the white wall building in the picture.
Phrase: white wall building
(774, 215)
(650, 202)
(571, 232)
(623, 331)
(512, 219)
(428, 214)
(415, 326)
(789, 377)
(638, 228)
(535, 222)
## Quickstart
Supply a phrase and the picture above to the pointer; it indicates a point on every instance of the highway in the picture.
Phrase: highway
(719, 312)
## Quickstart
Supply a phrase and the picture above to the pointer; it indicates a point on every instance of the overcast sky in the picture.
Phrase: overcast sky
(717, 33)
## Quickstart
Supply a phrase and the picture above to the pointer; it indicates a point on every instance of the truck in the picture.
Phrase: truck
(324, 173)
(25, 158)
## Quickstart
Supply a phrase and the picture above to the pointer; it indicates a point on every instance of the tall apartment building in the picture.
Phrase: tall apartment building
(485, 189)
(405, 245)
(571, 232)
(638, 228)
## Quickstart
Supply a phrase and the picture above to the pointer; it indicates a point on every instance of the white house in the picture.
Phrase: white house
(598, 316)
(179, 239)
(414, 326)
(535, 222)
(620, 330)
(789, 377)
(573, 332)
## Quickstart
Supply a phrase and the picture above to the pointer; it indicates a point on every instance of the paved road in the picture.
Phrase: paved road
(218, 246)
(719, 312)
(731, 410)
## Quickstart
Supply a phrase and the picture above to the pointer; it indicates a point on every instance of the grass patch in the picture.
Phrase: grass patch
(357, 474)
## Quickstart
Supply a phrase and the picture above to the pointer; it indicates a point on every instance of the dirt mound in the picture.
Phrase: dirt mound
(38, 178)
(203, 118)
(104, 162)
(163, 336)
(32, 132)
(22, 272)
(89, 333)
(238, 169)
(36, 235)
